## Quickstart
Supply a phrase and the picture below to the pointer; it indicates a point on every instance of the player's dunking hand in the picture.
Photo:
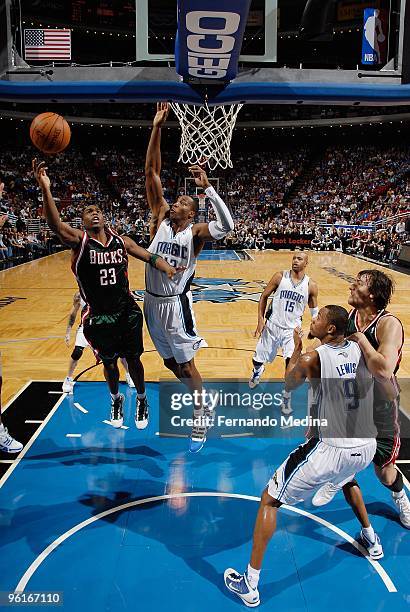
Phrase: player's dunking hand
(162, 114)
(3, 219)
(297, 338)
(39, 171)
(200, 176)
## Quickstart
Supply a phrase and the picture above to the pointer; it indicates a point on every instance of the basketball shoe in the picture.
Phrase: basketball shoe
(239, 584)
(7, 443)
(117, 413)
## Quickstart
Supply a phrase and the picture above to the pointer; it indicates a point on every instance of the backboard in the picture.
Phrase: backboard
(155, 18)
(334, 77)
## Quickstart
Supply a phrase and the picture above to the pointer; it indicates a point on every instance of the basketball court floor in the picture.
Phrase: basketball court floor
(127, 519)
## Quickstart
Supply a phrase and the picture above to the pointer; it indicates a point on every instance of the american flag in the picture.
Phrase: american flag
(47, 44)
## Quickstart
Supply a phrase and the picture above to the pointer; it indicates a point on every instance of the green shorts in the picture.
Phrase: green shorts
(116, 335)
(387, 450)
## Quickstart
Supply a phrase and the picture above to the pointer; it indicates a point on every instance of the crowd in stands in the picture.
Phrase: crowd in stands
(349, 198)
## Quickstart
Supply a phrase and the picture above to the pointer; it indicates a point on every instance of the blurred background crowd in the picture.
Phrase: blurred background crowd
(351, 198)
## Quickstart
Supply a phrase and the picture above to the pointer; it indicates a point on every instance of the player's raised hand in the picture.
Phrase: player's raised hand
(200, 176)
(259, 329)
(39, 171)
(162, 114)
(3, 219)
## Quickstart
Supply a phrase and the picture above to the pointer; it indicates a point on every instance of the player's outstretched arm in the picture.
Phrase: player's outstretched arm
(67, 234)
(153, 260)
(214, 230)
(155, 195)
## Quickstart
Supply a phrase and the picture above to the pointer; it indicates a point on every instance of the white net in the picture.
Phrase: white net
(206, 133)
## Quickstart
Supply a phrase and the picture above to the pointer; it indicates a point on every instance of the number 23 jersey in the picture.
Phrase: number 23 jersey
(102, 273)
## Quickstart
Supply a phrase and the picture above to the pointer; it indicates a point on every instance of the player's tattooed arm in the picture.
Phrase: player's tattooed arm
(72, 317)
(153, 185)
(67, 234)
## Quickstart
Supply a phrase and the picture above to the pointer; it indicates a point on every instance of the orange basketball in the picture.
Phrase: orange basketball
(50, 132)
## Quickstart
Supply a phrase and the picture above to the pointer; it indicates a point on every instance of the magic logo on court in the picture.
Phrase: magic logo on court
(221, 290)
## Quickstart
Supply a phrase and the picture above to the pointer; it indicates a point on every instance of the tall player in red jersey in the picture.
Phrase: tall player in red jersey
(380, 336)
(113, 321)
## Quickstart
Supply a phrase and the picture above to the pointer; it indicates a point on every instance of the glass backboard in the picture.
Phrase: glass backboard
(156, 18)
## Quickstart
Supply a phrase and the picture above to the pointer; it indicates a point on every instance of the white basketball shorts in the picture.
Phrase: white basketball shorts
(171, 325)
(272, 339)
(315, 463)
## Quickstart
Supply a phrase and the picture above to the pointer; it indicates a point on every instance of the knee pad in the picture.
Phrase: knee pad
(352, 483)
(77, 352)
(397, 485)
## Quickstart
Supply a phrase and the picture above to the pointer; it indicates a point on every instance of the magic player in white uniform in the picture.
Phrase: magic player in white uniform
(343, 392)
(80, 344)
(293, 291)
(175, 237)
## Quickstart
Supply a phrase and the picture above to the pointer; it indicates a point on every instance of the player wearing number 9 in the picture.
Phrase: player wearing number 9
(112, 321)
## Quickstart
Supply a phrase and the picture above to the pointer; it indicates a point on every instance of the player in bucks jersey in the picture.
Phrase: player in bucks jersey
(380, 336)
(343, 445)
(112, 320)
(168, 302)
(292, 291)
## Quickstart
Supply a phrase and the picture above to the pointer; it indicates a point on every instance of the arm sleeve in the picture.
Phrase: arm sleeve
(224, 222)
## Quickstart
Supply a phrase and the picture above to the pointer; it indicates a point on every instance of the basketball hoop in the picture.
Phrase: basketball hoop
(206, 133)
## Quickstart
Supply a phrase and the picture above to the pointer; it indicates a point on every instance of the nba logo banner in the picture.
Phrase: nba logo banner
(209, 38)
(374, 37)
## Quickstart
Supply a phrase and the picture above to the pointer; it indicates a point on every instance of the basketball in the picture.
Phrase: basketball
(50, 133)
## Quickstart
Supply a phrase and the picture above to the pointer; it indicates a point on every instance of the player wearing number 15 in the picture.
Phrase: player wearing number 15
(292, 291)
(112, 320)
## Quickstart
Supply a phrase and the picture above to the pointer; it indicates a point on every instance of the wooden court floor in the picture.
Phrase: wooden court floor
(38, 298)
